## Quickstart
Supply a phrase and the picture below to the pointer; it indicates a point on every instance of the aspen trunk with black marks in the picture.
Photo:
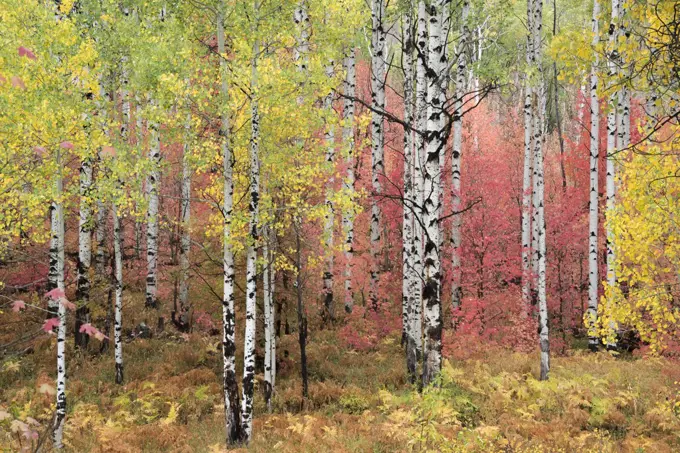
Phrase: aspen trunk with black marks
(378, 66)
(349, 89)
(152, 189)
(84, 253)
(456, 221)
(593, 208)
(612, 131)
(268, 279)
(329, 307)
(538, 114)
(230, 384)
(251, 255)
(527, 178)
(435, 142)
(407, 301)
(415, 345)
(118, 283)
(183, 317)
(58, 229)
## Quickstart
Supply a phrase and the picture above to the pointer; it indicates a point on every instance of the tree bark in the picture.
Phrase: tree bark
(378, 66)
(230, 383)
(118, 273)
(84, 253)
(183, 319)
(408, 197)
(348, 140)
(593, 209)
(329, 308)
(251, 256)
(456, 221)
(612, 131)
(58, 229)
(152, 187)
(436, 140)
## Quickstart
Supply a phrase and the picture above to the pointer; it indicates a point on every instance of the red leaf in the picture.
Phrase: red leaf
(92, 331)
(24, 52)
(50, 324)
(66, 145)
(2, 80)
(56, 294)
(68, 305)
(18, 305)
(18, 83)
(39, 150)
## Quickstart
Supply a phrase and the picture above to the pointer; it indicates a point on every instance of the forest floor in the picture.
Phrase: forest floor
(358, 401)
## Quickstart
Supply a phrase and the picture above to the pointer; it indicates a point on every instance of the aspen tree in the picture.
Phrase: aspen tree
(378, 70)
(436, 97)
(349, 88)
(251, 257)
(593, 210)
(230, 384)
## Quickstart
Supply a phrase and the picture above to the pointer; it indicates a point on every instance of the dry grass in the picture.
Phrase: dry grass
(358, 402)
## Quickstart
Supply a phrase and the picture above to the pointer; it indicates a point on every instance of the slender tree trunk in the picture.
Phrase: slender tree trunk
(84, 253)
(251, 257)
(329, 223)
(593, 215)
(139, 130)
(407, 204)
(558, 119)
(60, 414)
(612, 123)
(456, 290)
(118, 317)
(230, 383)
(378, 66)
(301, 313)
(415, 345)
(527, 179)
(100, 257)
(348, 140)
(436, 140)
(152, 187)
(268, 279)
(184, 316)
(539, 102)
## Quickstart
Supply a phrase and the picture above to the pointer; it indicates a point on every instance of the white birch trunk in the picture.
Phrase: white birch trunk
(456, 290)
(348, 140)
(268, 279)
(539, 184)
(409, 197)
(251, 257)
(593, 217)
(230, 383)
(139, 131)
(378, 64)
(152, 187)
(60, 413)
(612, 130)
(330, 210)
(118, 317)
(436, 98)
(84, 252)
(527, 178)
(184, 316)
(419, 213)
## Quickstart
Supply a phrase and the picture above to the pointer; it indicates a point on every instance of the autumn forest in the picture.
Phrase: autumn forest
(340, 225)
